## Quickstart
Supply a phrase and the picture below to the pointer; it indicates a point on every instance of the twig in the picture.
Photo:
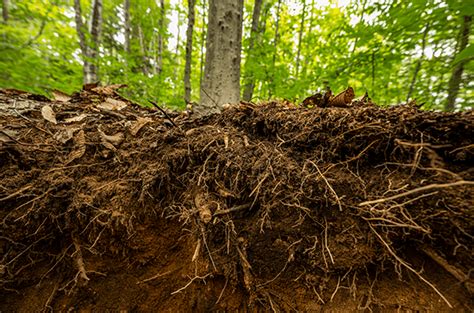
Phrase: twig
(233, 209)
(166, 114)
(407, 266)
(190, 282)
(423, 188)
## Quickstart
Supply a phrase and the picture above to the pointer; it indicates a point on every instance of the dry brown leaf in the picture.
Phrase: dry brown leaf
(112, 104)
(109, 141)
(108, 90)
(343, 99)
(48, 114)
(65, 135)
(75, 118)
(60, 96)
(141, 121)
(79, 147)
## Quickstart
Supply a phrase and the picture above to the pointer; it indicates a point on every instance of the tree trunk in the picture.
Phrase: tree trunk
(141, 41)
(221, 81)
(418, 63)
(455, 80)
(82, 40)
(95, 31)
(159, 60)
(126, 7)
(254, 32)
(203, 42)
(5, 6)
(300, 39)
(275, 45)
(189, 50)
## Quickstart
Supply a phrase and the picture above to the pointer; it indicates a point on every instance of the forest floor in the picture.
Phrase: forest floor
(109, 206)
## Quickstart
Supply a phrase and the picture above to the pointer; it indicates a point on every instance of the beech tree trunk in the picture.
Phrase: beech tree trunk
(189, 50)
(159, 59)
(203, 42)
(126, 7)
(89, 48)
(221, 81)
(455, 80)
(271, 90)
(143, 51)
(95, 31)
(254, 36)
(5, 7)
(300, 39)
(418, 63)
(82, 40)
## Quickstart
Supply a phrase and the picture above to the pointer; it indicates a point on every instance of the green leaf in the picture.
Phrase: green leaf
(464, 55)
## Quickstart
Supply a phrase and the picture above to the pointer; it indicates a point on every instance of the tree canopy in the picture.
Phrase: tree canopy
(396, 50)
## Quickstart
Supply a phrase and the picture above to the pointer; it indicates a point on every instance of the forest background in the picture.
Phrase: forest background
(396, 50)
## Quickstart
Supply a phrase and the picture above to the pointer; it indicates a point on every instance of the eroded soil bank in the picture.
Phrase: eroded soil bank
(108, 206)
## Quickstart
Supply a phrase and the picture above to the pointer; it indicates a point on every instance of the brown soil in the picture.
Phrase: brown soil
(260, 208)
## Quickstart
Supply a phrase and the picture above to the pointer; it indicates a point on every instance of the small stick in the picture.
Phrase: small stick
(233, 209)
(423, 188)
(164, 112)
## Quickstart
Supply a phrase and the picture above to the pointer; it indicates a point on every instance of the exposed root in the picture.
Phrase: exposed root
(407, 266)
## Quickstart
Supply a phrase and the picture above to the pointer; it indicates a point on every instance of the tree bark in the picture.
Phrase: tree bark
(300, 39)
(203, 42)
(82, 40)
(418, 63)
(95, 31)
(189, 50)
(456, 76)
(221, 81)
(159, 60)
(126, 7)
(275, 46)
(5, 7)
(254, 32)
(141, 41)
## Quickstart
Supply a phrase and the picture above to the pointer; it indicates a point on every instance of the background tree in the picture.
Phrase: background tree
(89, 44)
(189, 48)
(373, 46)
(250, 57)
(221, 80)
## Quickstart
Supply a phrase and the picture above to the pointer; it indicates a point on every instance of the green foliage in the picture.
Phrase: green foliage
(370, 45)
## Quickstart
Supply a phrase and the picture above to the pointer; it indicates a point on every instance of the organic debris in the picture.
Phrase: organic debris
(270, 207)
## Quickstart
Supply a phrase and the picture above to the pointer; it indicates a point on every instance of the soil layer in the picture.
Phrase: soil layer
(107, 206)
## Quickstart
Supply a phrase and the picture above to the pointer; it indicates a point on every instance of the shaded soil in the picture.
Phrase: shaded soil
(108, 206)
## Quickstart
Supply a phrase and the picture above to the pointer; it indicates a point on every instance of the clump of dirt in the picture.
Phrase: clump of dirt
(109, 206)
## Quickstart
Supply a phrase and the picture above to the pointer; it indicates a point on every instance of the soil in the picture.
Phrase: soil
(107, 206)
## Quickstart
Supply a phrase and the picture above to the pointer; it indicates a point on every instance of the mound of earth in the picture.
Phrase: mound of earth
(109, 206)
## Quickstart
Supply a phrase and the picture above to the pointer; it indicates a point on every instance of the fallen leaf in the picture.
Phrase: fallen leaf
(79, 147)
(48, 114)
(112, 104)
(60, 96)
(75, 118)
(141, 121)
